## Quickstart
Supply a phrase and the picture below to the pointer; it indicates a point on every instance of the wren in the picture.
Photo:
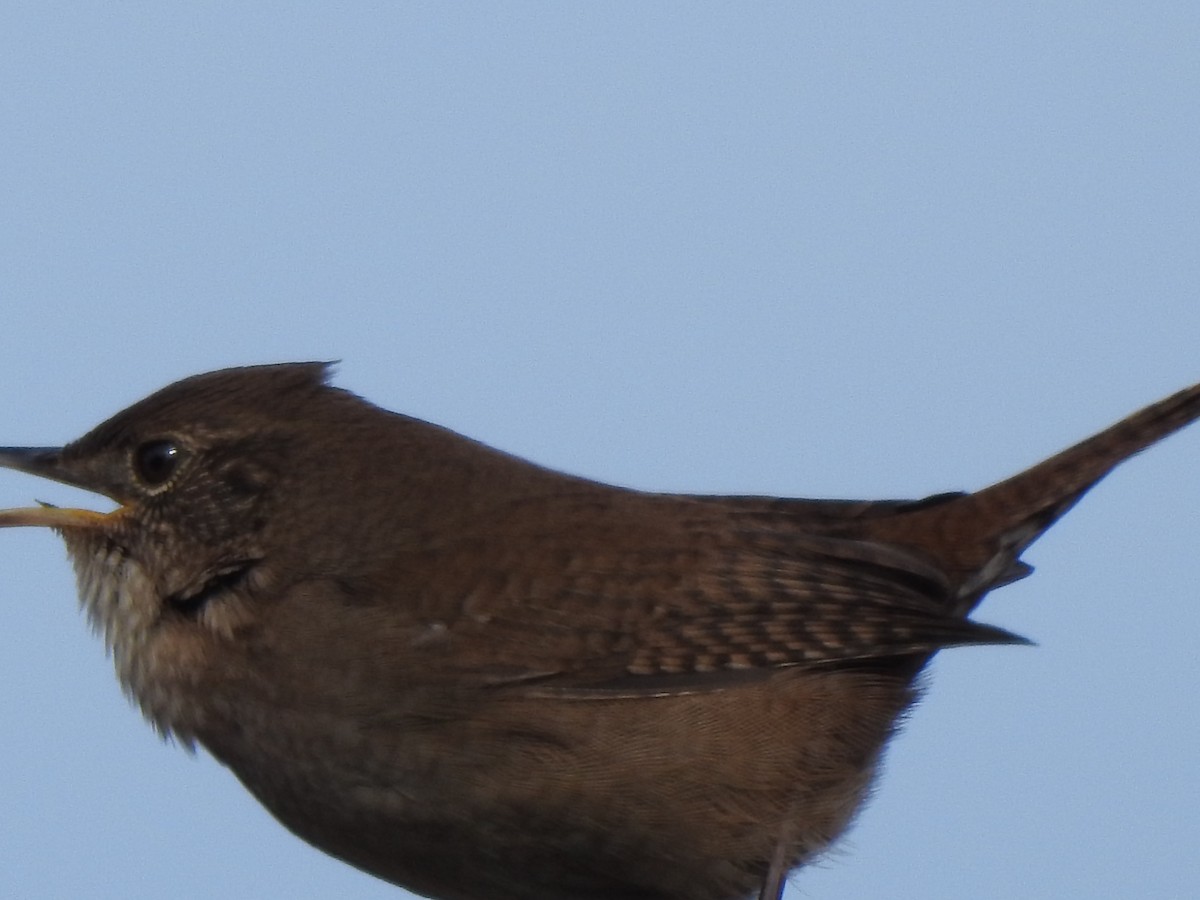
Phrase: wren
(484, 680)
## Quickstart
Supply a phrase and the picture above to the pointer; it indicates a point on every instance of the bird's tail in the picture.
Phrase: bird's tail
(981, 536)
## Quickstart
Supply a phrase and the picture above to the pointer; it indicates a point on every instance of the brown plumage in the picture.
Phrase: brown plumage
(478, 678)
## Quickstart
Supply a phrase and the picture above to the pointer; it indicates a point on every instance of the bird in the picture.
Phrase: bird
(476, 677)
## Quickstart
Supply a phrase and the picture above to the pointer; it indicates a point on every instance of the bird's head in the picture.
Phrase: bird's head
(174, 573)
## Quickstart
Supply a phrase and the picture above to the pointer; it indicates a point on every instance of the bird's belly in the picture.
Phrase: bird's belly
(530, 798)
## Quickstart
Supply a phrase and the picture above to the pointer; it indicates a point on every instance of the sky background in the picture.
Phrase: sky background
(819, 249)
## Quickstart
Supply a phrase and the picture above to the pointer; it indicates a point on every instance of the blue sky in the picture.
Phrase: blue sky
(821, 249)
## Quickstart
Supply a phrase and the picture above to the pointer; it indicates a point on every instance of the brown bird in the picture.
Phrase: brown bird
(478, 678)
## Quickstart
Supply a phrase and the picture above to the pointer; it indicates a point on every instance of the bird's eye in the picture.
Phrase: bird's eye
(156, 461)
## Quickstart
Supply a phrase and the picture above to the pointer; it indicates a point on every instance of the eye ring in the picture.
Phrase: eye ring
(155, 462)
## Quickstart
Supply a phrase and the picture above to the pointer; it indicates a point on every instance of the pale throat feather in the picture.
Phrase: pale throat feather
(122, 604)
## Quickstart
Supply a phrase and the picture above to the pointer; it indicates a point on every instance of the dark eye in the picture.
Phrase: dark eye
(156, 461)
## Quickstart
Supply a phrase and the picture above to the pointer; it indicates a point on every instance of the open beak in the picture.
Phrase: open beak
(47, 463)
